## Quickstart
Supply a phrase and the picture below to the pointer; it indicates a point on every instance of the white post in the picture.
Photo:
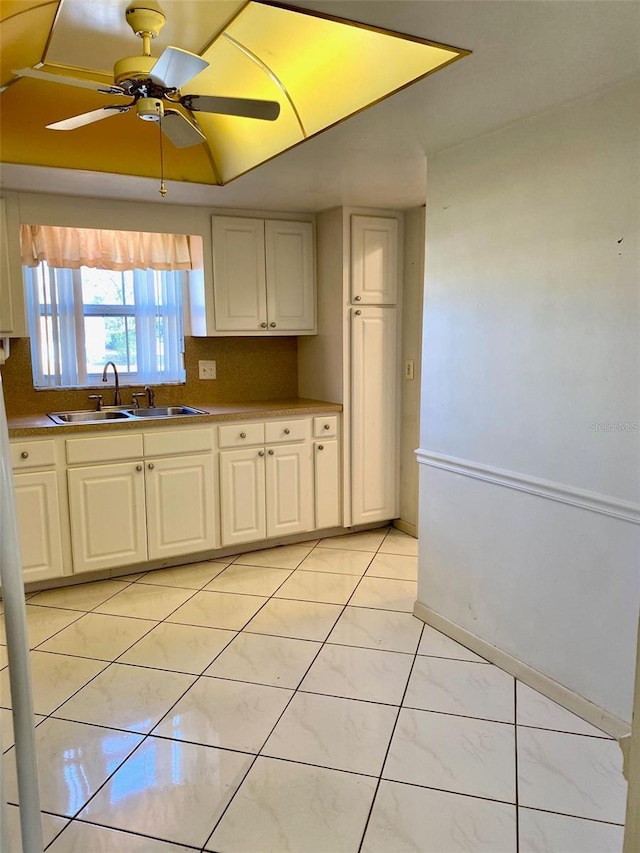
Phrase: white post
(18, 654)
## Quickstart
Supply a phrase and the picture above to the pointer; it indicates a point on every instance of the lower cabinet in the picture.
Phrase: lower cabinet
(266, 492)
(107, 514)
(130, 512)
(327, 484)
(156, 494)
(180, 505)
(38, 516)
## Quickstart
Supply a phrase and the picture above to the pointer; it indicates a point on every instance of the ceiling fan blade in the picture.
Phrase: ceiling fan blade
(180, 130)
(175, 67)
(86, 118)
(106, 88)
(246, 107)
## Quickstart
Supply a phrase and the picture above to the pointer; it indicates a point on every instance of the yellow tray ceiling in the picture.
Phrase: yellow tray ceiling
(320, 69)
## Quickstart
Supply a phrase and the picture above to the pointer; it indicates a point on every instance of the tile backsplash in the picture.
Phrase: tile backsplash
(247, 369)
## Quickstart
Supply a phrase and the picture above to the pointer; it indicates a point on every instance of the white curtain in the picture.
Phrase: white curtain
(53, 326)
(159, 343)
(72, 248)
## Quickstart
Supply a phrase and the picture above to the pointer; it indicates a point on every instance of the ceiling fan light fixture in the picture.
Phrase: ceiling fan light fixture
(150, 109)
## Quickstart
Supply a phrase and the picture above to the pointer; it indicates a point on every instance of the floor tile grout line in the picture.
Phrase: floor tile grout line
(386, 755)
(197, 677)
(294, 694)
(130, 832)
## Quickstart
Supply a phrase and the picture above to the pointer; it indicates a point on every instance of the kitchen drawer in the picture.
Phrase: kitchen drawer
(32, 454)
(178, 441)
(325, 427)
(241, 435)
(289, 430)
(104, 449)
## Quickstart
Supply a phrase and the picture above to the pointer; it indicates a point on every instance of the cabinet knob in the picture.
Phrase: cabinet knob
(287, 431)
(327, 426)
(261, 453)
(263, 325)
(138, 467)
(273, 325)
(24, 454)
(271, 452)
(151, 466)
(357, 298)
(321, 447)
(358, 312)
(243, 435)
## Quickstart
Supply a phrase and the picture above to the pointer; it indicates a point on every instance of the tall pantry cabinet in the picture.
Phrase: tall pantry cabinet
(354, 359)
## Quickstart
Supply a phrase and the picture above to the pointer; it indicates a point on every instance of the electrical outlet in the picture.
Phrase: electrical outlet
(207, 369)
(408, 369)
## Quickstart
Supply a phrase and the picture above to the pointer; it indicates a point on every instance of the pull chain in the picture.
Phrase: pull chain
(163, 189)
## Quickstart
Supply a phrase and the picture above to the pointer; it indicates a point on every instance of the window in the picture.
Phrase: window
(84, 312)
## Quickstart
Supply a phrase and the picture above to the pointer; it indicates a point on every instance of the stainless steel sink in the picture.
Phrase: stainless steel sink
(165, 412)
(121, 413)
(87, 417)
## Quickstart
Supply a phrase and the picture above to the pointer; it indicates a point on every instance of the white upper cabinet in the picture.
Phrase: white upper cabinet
(290, 280)
(263, 276)
(374, 260)
(239, 274)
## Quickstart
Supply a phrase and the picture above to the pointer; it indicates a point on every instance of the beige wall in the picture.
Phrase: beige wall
(530, 427)
(411, 349)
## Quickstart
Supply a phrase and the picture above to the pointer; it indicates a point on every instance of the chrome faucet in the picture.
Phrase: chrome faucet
(151, 397)
(117, 400)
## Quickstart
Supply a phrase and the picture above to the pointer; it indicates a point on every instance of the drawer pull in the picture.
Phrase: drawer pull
(357, 298)
(243, 435)
(263, 325)
(358, 312)
(151, 466)
(138, 467)
(273, 325)
(327, 426)
(271, 452)
(261, 453)
(287, 431)
(321, 447)
(24, 454)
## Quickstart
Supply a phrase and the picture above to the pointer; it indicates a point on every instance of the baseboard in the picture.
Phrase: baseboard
(587, 710)
(405, 527)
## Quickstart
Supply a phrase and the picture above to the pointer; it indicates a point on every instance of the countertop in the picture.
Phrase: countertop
(39, 425)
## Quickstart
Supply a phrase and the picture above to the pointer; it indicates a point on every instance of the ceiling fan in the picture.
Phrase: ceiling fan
(154, 84)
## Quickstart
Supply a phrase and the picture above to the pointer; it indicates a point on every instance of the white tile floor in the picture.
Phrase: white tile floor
(287, 700)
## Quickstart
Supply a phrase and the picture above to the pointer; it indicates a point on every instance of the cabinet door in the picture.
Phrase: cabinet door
(180, 505)
(373, 414)
(108, 525)
(239, 283)
(289, 489)
(38, 513)
(327, 484)
(290, 276)
(242, 508)
(374, 260)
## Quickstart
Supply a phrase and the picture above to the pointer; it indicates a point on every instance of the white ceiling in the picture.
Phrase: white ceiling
(528, 56)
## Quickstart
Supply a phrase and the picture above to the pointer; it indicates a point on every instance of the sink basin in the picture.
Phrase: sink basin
(122, 414)
(87, 417)
(165, 412)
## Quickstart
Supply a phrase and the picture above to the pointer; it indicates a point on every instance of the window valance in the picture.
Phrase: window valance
(72, 248)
